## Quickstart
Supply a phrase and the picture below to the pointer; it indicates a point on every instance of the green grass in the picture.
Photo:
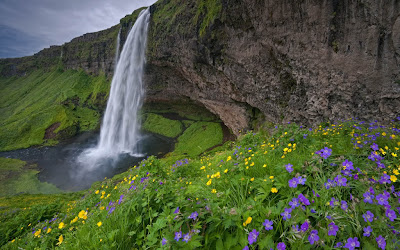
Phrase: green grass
(18, 177)
(197, 138)
(154, 200)
(157, 124)
(32, 103)
(208, 10)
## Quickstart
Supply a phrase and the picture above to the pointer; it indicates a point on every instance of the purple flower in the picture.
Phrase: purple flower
(368, 216)
(382, 199)
(391, 214)
(352, 243)
(193, 215)
(294, 203)
(381, 242)
(367, 231)
(368, 197)
(293, 183)
(253, 236)
(332, 229)
(339, 245)
(330, 183)
(341, 181)
(343, 205)
(176, 210)
(186, 237)
(268, 225)
(313, 237)
(324, 153)
(304, 226)
(120, 199)
(289, 167)
(246, 248)
(385, 179)
(286, 214)
(301, 180)
(178, 235)
(375, 146)
(303, 199)
(164, 241)
(281, 246)
(348, 164)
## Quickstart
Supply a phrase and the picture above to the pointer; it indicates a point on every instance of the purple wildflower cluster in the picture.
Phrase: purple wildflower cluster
(297, 181)
(324, 153)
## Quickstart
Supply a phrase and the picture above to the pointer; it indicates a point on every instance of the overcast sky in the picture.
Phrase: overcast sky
(27, 26)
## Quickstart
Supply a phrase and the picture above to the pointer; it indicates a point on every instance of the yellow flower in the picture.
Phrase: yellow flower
(74, 220)
(83, 214)
(252, 164)
(99, 223)
(61, 225)
(102, 208)
(395, 171)
(115, 187)
(60, 240)
(103, 192)
(394, 155)
(384, 134)
(203, 167)
(393, 178)
(285, 149)
(37, 233)
(213, 191)
(97, 191)
(252, 179)
(209, 182)
(13, 241)
(49, 230)
(229, 158)
(248, 221)
(226, 171)
(265, 165)
(271, 177)
(274, 190)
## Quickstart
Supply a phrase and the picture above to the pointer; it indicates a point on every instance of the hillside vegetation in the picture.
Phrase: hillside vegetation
(332, 186)
(60, 101)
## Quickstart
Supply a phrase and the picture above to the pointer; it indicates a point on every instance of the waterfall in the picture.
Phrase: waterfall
(119, 132)
(117, 49)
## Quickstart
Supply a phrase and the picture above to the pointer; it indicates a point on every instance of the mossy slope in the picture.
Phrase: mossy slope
(31, 104)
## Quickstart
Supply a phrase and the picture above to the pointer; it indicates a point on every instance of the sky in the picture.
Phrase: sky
(28, 26)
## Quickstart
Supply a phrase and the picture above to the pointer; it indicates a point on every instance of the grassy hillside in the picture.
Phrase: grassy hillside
(330, 186)
(63, 101)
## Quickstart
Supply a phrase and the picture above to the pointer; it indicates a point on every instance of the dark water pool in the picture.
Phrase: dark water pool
(58, 164)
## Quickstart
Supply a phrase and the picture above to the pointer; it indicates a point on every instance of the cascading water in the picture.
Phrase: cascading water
(120, 128)
(117, 49)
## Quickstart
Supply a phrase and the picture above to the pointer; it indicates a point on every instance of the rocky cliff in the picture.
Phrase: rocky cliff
(287, 60)
(301, 61)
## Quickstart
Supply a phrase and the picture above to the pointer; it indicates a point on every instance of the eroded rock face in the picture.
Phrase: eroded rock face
(300, 61)
(306, 62)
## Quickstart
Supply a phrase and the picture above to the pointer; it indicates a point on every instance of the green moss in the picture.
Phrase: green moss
(207, 12)
(199, 137)
(17, 177)
(157, 124)
(31, 104)
(186, 110)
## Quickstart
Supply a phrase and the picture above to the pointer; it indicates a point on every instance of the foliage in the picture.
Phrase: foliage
(158, 124)
(198, 137)
(32, 103)
(301, 187)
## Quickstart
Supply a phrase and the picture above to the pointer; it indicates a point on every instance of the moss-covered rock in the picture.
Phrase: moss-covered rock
(158, 124)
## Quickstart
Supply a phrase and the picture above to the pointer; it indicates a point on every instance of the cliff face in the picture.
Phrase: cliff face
(302, 61)
(92, 52)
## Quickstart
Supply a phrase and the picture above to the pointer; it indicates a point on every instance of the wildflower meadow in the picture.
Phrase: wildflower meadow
(334, 186)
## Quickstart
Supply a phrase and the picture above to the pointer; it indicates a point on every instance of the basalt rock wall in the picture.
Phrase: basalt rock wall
(301, 61)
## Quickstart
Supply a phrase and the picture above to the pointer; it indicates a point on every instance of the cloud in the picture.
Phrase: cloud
(54, 22)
